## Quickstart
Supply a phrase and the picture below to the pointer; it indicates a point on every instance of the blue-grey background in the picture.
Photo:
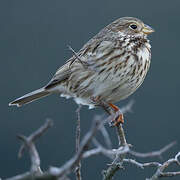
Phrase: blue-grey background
(33, 43)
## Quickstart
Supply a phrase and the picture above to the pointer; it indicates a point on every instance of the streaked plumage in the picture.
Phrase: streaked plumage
(111, 66)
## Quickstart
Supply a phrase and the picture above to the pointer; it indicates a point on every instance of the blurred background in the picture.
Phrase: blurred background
(33, 43)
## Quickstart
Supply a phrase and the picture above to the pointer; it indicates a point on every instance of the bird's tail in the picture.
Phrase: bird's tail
(32, 96)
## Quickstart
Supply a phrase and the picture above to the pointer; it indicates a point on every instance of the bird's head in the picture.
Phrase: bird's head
(130, 26)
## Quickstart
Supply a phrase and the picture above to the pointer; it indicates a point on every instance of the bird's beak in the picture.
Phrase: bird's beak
(147, 29)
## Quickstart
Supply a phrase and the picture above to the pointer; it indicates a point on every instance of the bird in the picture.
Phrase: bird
(108, 68)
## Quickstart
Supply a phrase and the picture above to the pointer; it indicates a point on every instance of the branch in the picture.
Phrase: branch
(160, 171)
(124, 147)
(34, 136)
(142, 165)
(24, 176)
(117, 152)
(78, 136)
(72, 163)
(110, 153)
(106, 137)
(128, 107)
(28, 142)
(104, 132)
(153, 153)
(60, 173)
(117, 155)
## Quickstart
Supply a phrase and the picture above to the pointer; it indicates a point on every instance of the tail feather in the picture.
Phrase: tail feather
(32, 96)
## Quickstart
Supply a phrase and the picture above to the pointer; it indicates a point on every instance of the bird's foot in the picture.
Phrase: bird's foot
(119, 118)
(109, 107)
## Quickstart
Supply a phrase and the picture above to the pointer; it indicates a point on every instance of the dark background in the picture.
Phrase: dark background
(33, 43)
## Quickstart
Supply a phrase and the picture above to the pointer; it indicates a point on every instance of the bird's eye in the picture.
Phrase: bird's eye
(133, 26)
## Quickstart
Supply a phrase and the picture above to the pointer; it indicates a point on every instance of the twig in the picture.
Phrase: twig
(116, 165)
(104, 132)
(78, 135)
(24, 176)
(110, 153)
(117, 155)
(92, 152)
(160, 171)
(29, 143)
(121, 135)
(35, 159)
(157, 153)
(128, 107)
(142, 165)
(34, 136)
(106, 137)
(72, 163)
(118, 161)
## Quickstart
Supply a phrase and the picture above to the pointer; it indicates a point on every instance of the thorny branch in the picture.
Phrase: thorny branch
(118, 156)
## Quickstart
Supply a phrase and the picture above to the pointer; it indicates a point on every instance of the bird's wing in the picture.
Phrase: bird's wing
(64, 71)
(87, 54)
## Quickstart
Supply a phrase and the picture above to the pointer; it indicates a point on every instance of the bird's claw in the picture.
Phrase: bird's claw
(117, 120)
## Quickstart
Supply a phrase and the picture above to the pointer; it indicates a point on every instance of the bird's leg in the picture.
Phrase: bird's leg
(119, 118)
(99, 102)
(110, 109)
